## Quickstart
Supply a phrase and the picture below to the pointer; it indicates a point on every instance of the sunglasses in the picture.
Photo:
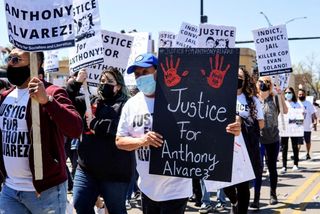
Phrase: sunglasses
(13, 59)
(288, 92)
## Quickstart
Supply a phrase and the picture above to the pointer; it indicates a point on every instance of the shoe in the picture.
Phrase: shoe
(128, 205)
(220, 206)
(292, 157)
(283, 170)
(197, 204)
(255, 206)
(234, 208)
(273, 199)
(308, 157)
(295, 168)
(205, 208)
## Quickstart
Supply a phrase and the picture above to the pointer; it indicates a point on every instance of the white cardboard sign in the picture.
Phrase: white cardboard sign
(37, 25)
(272, 48)
(214, 36)
(187, 36)
(292, 125)
(166, 39)
(88, 48)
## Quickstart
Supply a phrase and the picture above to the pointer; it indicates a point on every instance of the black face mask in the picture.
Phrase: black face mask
(264, 87)
(240, 83)
(106, 91)
(18, 75)
(302, 98)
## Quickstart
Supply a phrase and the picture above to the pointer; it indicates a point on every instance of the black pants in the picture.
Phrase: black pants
(271, 153)
(239, 193)
(284, 143)
(196, 188)
(176, 206)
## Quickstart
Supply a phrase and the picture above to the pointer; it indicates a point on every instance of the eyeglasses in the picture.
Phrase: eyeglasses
(289, 92)
(13, 59)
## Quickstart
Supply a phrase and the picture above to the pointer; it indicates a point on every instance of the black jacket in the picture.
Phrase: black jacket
(98, 154)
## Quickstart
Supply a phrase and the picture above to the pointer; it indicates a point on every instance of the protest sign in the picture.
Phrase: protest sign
(293, 123)
(166, 39)
(213, 36)
(310, 99)
(272, 50)
(88, 48)
(281, 81)
(241, 167)
(141, 45)
(116, 49)
(187, 36)
(51, 61)
(191, 112)
(37, 25)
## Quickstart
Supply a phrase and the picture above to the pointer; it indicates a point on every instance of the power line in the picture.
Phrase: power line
(293, 38)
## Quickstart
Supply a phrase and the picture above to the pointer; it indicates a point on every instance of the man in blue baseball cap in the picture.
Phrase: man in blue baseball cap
(160, 194)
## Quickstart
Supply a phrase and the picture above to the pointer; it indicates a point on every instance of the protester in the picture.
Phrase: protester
(21, 193)
(250, 111)
(103, 169)
(160, 194)
(269, 135)
(309, 120)
(292, 103)
(317, 111)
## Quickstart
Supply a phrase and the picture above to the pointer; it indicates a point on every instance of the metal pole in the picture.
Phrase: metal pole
(291, 20)
(201, 10)
(265, 16)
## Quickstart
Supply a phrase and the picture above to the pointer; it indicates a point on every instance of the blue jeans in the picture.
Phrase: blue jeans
(87, 188)
(205, 195)
(52, 200)
(221, 197)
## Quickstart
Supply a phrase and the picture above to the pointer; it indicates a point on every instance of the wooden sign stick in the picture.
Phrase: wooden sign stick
(87, 100)
(37, 150)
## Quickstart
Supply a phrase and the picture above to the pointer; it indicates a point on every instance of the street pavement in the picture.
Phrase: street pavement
(298, 192)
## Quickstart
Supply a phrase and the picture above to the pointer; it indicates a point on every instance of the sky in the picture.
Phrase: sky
(167, 15)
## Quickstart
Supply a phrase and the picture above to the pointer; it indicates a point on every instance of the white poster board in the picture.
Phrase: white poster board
(140, 45)
(166, 39)
(214, 36)
(88, 48)
(116, 49)
(187, 36)
(281, 81)
(51, 61)
(272, 49)
(37, 25)
(293, 123)
(241, 167)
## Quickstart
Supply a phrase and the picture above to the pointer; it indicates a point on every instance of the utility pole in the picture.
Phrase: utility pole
(203, 19)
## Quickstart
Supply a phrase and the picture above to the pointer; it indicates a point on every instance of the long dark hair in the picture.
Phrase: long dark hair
(123, 94)
(294, 97)
(249, 90)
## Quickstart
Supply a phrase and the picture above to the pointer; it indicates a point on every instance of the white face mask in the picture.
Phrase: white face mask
(146, 84)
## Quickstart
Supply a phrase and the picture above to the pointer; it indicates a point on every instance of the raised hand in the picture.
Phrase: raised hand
(216, 76)
(171, 77)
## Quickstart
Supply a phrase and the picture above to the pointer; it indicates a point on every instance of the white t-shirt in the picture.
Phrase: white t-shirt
(15, 143)
(136, 120)
(309, 110)
(243, 109)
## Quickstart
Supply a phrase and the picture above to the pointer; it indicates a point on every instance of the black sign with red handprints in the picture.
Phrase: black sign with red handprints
(195, 101)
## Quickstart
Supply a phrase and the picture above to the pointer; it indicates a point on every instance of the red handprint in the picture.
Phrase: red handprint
(171, 78)
(216, 76)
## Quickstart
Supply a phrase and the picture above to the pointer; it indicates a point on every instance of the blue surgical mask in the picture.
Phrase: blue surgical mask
(288, 96)
(146, 84)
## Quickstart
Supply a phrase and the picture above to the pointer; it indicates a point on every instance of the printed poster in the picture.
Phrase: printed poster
(272, 49)
(214, 36)
(37, 25)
